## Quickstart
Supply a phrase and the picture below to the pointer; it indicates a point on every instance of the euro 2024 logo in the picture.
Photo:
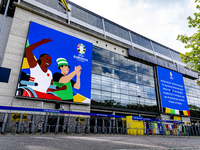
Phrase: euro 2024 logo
(81, 50)
(171, 75)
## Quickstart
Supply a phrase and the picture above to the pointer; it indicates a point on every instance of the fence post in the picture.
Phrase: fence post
(137, 130)
(49, 129)
(165, 131)
(45, 124)
(152, 130)
(199, 130)
(57, 125)
(15, 128)
(110, 127)
(187, 131)
(32, 123)
(123, 126)
(103, 124)
(195, 127)
(95, 128)
(68, 125)
(78, 127)
(88, 125)
(20, 123)
(192, 129)
(116, 125)
(4, 123)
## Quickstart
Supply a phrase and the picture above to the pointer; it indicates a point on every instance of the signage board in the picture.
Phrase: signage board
(172, 92)
(16, 117)
(56, 66)
(82, 119)
(137, 118)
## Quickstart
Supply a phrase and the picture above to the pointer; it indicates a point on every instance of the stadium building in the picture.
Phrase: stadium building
(123, 73)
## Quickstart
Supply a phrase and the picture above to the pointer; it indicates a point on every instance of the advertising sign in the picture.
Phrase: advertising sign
(172, 92)
(160, 128)
(16, 117)
(56, 66)
(82, 119)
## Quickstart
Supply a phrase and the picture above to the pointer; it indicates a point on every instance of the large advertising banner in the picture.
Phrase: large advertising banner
(172, 92)
(56, 66)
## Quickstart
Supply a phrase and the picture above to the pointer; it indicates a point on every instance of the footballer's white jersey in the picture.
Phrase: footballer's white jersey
(43, 79)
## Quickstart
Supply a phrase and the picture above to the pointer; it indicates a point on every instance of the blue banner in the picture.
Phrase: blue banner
(57, 111)
(160, 127)
(137, 118)
(172, 90)
(56, 66)
(80, 113)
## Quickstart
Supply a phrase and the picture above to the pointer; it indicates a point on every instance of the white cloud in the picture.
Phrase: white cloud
(159, 20)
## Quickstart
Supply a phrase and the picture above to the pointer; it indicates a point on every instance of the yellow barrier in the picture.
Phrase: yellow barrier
(134, 127)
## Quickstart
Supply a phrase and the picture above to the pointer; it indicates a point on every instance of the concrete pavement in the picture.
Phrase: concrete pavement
(95, 142)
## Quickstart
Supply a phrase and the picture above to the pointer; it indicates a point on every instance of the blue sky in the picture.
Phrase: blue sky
(159, 20)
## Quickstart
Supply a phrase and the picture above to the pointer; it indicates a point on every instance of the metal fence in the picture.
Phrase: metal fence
(47, 124)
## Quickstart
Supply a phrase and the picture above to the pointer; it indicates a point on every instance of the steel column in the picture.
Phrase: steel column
(95, 131)
(20, 123)
(57, 125)
(78, 127)
(110, 126)
(103, 125)
(116, 125)
(4, 123)
(45, 124)
(88, 129)
(68, 125)
(32, 124)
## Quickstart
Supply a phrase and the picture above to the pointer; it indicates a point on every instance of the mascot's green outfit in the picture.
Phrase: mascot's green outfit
(63, 94)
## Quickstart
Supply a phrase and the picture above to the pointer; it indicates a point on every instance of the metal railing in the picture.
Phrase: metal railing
(43, 124)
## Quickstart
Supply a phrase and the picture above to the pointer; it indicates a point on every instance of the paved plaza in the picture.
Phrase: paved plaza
(95, 142)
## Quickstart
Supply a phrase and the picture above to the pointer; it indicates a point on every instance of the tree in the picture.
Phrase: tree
(192, 58)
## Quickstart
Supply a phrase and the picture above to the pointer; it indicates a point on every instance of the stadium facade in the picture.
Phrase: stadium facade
(130, 74)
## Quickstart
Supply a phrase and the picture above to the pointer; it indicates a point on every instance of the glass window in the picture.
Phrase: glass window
(106, 88)
(116, 30)
(132, 88)
(106, 71)
(124, 91)
(96, 86)
(116, 83)
(175, 55)
(96, 97)
(86, 17)
(132, 93)
(131, 65)
(105, 93)
(94, 76)
(96, 81)
(104, 98)
(124, 96)
(123, 101)
(115, 95)
(105, 83)
(96, 92)
(142, 41)
(116, 90)
(161, 49)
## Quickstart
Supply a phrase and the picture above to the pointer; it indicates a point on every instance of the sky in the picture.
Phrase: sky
(158, 20)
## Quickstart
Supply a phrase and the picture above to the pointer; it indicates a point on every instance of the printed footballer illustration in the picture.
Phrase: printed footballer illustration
(56, 66)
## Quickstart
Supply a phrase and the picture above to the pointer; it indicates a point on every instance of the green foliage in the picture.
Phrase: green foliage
(192, 58)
